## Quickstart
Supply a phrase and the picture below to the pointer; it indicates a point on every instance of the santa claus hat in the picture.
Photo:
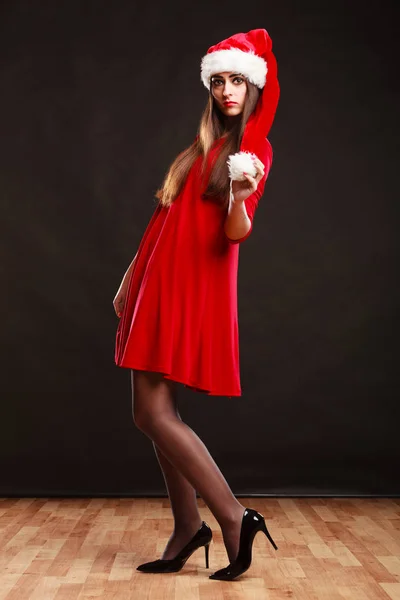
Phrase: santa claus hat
(242, 52)
(250, 54)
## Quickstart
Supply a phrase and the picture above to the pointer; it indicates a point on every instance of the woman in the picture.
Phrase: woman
(178, 298)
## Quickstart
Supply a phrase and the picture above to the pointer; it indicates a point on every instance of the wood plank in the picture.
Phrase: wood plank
(88, 548)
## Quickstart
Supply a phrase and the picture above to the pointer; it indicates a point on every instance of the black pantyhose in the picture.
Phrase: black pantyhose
(186, 464)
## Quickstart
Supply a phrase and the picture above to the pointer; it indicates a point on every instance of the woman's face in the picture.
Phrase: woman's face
(229, 87)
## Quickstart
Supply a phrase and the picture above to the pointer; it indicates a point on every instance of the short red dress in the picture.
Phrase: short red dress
(181, 313)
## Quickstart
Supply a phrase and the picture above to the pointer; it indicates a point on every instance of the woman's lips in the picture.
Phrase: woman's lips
(230, 103)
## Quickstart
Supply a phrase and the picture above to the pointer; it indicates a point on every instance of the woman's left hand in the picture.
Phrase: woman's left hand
(243, 189)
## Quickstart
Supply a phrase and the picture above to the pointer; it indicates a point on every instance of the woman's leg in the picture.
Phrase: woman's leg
(155, 414)
(182, 495)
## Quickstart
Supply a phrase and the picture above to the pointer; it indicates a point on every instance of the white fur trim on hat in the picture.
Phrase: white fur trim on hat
(248, 63)
(240, 162)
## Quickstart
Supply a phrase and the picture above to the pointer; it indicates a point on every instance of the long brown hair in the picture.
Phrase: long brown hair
(213, 125)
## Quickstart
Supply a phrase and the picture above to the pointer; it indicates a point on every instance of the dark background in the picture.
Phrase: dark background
(96, 100)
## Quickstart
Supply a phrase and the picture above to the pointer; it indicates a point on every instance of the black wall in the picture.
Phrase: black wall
(96, 101)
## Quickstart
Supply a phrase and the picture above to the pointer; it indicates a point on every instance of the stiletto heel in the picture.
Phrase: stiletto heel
(267, 533)
(252, 522)
(202, 537)
(207, 549)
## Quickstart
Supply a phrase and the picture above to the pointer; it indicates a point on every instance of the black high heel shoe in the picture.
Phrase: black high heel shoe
(202, 537)
(252, 522)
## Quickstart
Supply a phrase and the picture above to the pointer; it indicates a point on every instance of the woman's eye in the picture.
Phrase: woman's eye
(218, 81)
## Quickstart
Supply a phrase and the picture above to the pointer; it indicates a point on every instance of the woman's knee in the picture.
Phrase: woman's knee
(153, 399)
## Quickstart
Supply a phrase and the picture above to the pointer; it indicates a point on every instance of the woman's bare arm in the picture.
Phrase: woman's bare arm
(237, 222)
(127, 275)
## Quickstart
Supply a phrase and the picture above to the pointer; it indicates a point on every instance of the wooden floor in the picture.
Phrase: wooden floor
(328, 548)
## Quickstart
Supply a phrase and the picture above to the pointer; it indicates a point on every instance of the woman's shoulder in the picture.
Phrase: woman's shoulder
(265, 146)
(268, 149)
(261, 147)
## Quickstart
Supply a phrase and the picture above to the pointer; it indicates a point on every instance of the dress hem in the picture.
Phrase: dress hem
(172, 377)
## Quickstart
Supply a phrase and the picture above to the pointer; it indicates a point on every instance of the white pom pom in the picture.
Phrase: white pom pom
(240, 162)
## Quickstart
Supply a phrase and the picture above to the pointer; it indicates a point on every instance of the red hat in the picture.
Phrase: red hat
(250, 54)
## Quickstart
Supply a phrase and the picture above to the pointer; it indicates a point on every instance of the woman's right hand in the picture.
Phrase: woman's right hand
(119, 300)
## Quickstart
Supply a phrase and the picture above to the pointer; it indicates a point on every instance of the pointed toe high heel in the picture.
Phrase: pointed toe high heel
(252, 522)
(202, 537)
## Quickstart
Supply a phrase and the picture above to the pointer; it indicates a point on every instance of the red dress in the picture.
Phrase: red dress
(180, 316)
